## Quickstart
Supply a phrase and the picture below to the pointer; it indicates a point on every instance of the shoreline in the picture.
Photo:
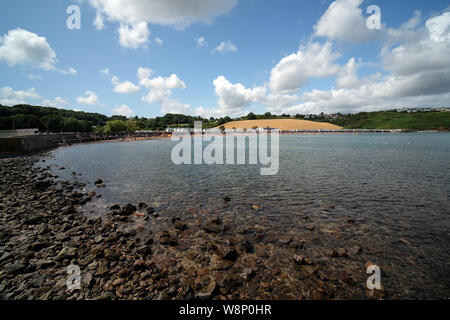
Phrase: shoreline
(192, 254)
(43, 232)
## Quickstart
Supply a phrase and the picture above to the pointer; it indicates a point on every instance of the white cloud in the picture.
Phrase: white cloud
(225, 47)
(344, 21)
(9, 96)
(313, 61)
(57, 102)
(169, 105)
(104, 72)
(176, 13)
(234, 98)
(159, 41)
(21, 47)
(90, 99)
(133, 36)
(144, 73)
(160, 91)
(126, 87)
(418, 74)
(71, 71)
(123, 110)
(201, 42)
(439, 27)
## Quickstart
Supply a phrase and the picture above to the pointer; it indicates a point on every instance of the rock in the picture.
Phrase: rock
(210, 291)
(66, 253)
(142, 205)
(227, 199)
(111, 254)
(128, 210)
(179, 225)
(145, 250)
(88, 280)
(151, 211)
(355, 250)
(167, 239)
(115, 207)
(37, 281)
(301, 260)
(338, 253)
(256, 207)
(310, 227)
(42, 185)
(224, 264)
(139, 264)
(44, 263)
(5, 256)
(403, 240)
(213, 226)
(285, 239)
(38, 246)
(16, 268)
(246, 247)
(224, 252)
(98, 181)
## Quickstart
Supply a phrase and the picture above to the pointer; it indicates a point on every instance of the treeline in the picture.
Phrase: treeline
(58, 120)
(49, 119)
(431, 120)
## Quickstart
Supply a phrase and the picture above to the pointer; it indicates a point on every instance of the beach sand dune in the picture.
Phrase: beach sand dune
(282, 124)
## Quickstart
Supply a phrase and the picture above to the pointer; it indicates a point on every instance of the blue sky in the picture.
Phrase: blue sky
(319, 37)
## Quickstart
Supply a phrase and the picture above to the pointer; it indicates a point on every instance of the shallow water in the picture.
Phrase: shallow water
(395, 187)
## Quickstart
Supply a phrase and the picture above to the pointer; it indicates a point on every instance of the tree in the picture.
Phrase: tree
(132, 126)
(116, 126)
(267, 115)
(251, 116)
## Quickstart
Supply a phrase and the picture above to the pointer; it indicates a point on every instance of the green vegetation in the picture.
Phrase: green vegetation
(395, 120)
(58, 120)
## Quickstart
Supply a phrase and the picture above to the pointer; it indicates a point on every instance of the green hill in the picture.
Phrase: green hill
(395, 120)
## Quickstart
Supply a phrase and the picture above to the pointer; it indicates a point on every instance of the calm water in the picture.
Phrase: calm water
(395, 186)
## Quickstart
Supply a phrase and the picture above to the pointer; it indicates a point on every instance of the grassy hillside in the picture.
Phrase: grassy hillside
(395, 120)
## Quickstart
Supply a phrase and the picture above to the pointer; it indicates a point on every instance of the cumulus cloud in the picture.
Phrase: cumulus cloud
(344, 21)
(57, 102)
(126, 87)
(201, 42)
(177, 13)
(123, 110)
(21, 47)
(160, 90)
(9, 96)
(159, 41)
(133, 36)
(417, 74)
(90, 99)
(439, 27)
(225, 46)
(135, 15)
(234, 98)
(312, 61)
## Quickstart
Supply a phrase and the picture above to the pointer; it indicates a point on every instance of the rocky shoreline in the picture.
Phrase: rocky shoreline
(43, 231)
